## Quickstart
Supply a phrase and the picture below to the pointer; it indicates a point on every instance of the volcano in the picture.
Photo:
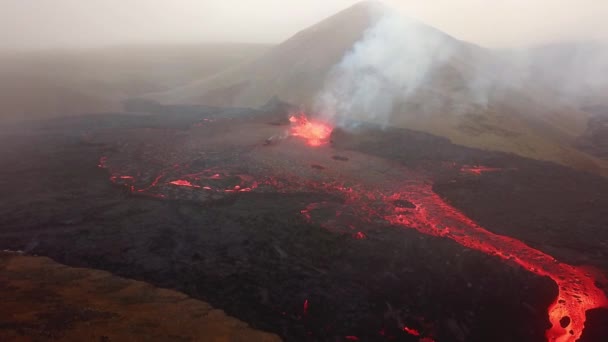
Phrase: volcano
(435, 83)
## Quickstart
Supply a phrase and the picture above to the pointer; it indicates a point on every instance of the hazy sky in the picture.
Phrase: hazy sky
(493, 23)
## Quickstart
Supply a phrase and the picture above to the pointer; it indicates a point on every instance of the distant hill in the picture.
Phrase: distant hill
(36, 84)
(365, 64)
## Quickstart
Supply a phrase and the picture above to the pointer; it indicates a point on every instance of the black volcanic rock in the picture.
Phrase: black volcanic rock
(255, 255)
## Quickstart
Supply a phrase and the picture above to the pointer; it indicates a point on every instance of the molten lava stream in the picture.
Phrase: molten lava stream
(577, 290)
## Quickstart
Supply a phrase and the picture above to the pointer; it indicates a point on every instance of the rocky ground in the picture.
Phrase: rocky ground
(118, 193)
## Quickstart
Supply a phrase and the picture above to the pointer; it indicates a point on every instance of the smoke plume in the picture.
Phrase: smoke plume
(395, 58)
(405, 68)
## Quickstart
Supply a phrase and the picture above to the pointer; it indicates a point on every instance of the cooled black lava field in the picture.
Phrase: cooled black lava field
(377, 235)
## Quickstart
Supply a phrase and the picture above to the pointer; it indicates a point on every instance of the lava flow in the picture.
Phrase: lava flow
(315, 133)
(416, 206)
(413, 205)
(430, 215)
(577, 290)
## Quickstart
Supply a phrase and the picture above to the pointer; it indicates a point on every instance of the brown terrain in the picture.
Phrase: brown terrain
(44, 300)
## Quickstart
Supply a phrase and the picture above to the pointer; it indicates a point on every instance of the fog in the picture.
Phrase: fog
(27, 24)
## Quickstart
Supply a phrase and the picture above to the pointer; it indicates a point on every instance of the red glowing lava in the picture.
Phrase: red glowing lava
(413, 205)
(360, 236)
(429, 214)
(206, 180)
(181, 182)
(411, 331)
(316, 133)
(577, 290)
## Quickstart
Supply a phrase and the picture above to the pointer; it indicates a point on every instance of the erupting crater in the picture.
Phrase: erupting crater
(316, 133)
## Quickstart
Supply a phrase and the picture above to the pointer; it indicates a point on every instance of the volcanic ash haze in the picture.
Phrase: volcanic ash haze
(370, 63)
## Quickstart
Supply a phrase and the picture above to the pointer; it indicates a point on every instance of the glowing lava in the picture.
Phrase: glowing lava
(315, 133)
(429, 214)
(414, 206)
(411, 331)
(359, 236)
(181, 182)
(577, 286)
(198, 180)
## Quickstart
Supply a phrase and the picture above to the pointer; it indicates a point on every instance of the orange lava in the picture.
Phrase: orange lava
(316, 133)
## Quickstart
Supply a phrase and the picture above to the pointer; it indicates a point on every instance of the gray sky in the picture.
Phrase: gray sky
(492, 23)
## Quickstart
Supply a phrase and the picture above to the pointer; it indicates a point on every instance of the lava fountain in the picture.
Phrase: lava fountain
(316, 133)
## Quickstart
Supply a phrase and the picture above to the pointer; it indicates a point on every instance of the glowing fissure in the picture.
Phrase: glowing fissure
(192, 181)
(316, 133)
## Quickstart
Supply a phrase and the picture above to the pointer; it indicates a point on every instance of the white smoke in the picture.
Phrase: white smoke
(393, 60)
(405, 68)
